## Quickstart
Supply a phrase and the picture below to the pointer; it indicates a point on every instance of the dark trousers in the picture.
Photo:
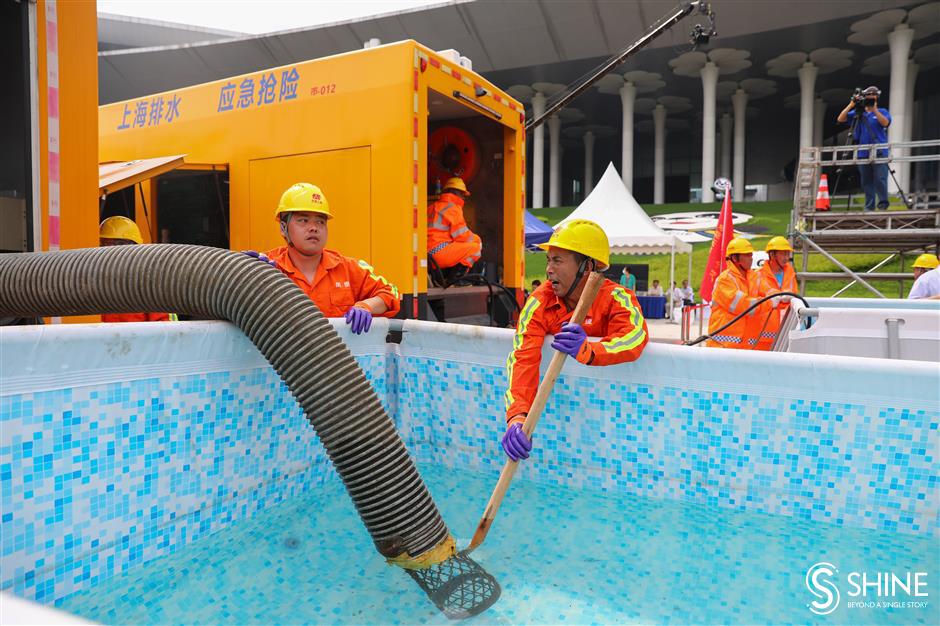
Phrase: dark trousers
(874, 183)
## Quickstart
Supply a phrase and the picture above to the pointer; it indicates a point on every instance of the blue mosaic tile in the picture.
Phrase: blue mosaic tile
(97, 480)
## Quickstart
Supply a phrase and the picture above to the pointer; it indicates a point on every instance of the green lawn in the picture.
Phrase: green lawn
(770, 218)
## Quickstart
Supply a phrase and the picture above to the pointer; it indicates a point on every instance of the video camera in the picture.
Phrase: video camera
(867, 97)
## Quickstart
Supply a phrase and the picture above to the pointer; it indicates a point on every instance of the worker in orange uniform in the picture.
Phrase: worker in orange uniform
(574, 250)
(734, 291)
(339, 285)
(451, 243)
(122, 231)
(775, 275)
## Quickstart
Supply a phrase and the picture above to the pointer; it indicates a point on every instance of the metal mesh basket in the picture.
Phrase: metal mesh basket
(459, 587)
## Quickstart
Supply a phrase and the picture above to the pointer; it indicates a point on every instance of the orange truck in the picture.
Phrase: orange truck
(49, 178)
(377, 130)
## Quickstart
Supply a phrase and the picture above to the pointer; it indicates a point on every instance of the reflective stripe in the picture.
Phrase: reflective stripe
(379, 278)
(459, 231)
(737, 299)
(635, 337)
(727, 339)
(528, 311)
(438, 222)
(768, 335)
(438, 247)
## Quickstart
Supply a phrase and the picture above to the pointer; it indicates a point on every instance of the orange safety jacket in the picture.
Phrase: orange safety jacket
(340, 282)
(446, 225)
(615, 315)
(767, 285)
(732, 294)
(112, 318)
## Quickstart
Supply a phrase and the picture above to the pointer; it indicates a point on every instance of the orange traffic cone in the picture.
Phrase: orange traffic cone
(822, 196)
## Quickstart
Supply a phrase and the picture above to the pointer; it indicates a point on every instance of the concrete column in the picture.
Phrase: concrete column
(538, 153)
(905, 172)
(899, 44)
(588, 162)
(807, 75)
(718, 141)
(659, 155)
(726, 126)
(709, 82)
(739, 101)
(554, 161)
(819, 116)
(627, 100)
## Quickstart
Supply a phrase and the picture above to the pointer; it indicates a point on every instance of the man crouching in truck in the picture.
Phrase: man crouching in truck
(339, 285)
(574, 250)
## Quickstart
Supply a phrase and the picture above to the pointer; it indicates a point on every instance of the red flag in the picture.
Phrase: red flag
(724, 233)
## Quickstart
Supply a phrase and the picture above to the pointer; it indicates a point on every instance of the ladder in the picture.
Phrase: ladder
(805, 185)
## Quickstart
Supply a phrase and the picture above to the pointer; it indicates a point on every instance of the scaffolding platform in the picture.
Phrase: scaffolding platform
(899, 234)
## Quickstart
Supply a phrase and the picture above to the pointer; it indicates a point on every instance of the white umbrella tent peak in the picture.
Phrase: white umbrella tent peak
(628, 227)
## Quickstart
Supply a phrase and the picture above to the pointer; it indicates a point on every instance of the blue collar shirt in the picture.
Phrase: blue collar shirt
(869, 130)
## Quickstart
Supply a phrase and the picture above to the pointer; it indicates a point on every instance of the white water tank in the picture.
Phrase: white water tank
(912, 334)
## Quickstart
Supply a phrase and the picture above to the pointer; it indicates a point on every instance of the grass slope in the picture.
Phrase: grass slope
(770, 218)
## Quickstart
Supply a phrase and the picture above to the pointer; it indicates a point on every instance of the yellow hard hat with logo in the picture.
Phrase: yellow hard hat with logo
(739, 245)
(778, 243)
(927, 261)
(582, 236)
(120, 227)
(456, 183)
(303, 197)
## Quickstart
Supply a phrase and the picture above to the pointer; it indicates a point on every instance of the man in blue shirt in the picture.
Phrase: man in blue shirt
(871, 127)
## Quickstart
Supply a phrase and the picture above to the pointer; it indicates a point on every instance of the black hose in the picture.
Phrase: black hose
(745, 312)
(287, 328)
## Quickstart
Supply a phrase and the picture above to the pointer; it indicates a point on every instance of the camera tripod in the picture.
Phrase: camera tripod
(860, 115)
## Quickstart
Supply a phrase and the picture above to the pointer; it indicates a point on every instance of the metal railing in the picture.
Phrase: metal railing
(689, 312)
(812, 159)
(824, 156)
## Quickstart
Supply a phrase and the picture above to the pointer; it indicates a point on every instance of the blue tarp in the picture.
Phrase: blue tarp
(536, 231)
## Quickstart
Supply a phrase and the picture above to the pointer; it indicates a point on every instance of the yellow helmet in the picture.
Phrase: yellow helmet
(120, 227)
(456, 183)
(303, 197)
(778, 243)
(927, 261)
(582, 236)
(739, 245)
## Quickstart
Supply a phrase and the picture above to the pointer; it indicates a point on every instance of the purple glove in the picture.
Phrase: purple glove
(260, 256)
(359, 319)
(570, 339)
(515, 444)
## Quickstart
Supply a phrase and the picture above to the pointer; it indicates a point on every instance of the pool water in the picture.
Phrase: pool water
(560, 555)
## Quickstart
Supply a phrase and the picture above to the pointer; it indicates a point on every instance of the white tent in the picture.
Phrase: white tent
(628, 227)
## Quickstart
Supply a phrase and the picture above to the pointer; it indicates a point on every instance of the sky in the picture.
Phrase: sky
(256, 16)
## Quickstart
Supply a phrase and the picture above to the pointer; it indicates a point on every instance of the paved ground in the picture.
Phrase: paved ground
(663, 331)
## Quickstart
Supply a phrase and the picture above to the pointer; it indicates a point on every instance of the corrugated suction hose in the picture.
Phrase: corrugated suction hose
(288, 329)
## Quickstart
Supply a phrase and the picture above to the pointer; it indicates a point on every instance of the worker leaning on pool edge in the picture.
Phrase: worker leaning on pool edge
(575, 250)
(339, 285)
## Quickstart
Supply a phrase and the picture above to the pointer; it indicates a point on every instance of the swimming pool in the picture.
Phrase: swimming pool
(680, 488)
(560, 554)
